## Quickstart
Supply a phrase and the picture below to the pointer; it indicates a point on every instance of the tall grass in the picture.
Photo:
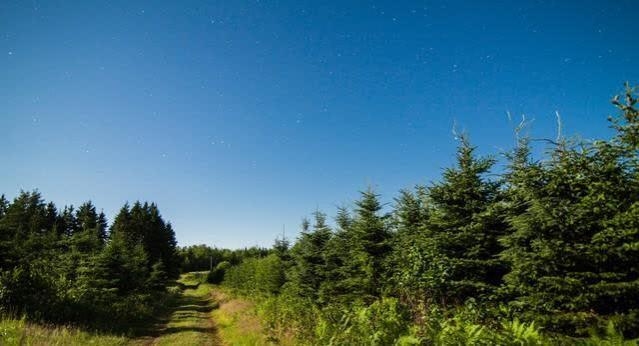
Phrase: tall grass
(20, 332)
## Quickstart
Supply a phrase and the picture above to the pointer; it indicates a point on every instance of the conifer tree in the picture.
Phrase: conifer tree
(309, 268)
(407, 260)
(22, 229)
(51, 217)
(67, 223)
(335, 287)
(281, 247)
(573, 249)
(463, 229)
(122, 267)
(169, 254)
(102, 226)
(88, 234)
(4, 203)
(368, 241)
(87, 217)
(158, 277)
(122, 224)
(143, 224)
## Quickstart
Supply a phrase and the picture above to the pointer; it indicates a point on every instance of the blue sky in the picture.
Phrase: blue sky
(240, 117)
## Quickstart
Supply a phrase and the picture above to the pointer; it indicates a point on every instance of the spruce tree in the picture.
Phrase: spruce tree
(158, 277)
(309, 265)
(87, 236)
(142, 224)
(101, 229)
(169, 254)
(27, 255)
(68, 223)
(122, 267)
(573, 249)
(4, 203)
(462, 231)
(335, 287)
(281, 247)
(406, 262)
(368, 242)
(24, 230)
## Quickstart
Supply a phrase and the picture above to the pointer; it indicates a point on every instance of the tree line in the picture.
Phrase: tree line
(198, 258)
(68, 265)
(550, 244)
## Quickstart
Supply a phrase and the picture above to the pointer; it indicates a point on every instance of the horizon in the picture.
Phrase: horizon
(239, 119)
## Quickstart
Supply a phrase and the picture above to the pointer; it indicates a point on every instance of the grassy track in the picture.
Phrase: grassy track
(190, 322)
(203, 314)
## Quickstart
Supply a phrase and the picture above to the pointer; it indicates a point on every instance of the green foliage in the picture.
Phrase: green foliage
(260, 275)
(142, 224)
(309, 265)
(62, 267)
(572, 248)
(546, 252)
(196, 258)
(216, 276)
(460, 241)
(353, 263)
(21, 332)
(543, 253)
(611, 336)
(381, 323)
(158, 277)
(336, 286)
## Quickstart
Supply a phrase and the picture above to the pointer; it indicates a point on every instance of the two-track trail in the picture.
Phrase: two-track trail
(190, 321)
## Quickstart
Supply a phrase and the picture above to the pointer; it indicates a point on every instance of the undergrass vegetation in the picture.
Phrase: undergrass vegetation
(20, 332)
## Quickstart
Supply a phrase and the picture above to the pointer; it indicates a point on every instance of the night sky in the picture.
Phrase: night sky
(240, 117)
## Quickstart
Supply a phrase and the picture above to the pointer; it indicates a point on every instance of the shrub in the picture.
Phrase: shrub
(216, 275)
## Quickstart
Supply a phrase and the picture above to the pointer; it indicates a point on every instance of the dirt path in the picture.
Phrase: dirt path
(190, 323)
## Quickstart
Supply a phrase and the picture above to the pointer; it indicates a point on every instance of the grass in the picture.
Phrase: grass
(237, 321)
(20, 332)
(190, 323)
(202, 314)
